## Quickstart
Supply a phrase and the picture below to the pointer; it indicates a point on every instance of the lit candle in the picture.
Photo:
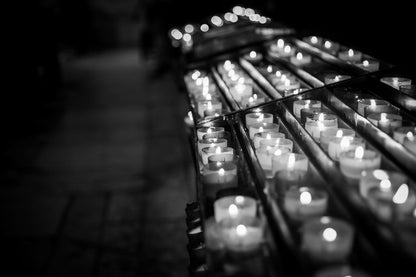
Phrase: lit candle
(300, 59)
(298, 105)
(242, 235)
(265, 154)
(368, 65)
(385, 121)
(278, 46)
(234, 206)
(216, 181)
(327, 239)
(350, 55)
(410, 142)
(258, 137)
(353, 162)
(307, 113)
(209, 130)
(255, 118)
(301, 203)
(289, 161)
(319, 123)
(400, 133)
(287, 84)
(327, 135)
(335, 78)
(314, 40)
(253, 56)
(290, 92)
(261, 127)
(379, 177)
(369, 106)
(214, 243)
(223, 153)
(396, 81)
(240, 91)
(287, 51)
(214, 142)
(278, 142)
(208, 105)
(338, 145)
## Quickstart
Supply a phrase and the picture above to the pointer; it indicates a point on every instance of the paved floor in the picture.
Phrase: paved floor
(100, 185)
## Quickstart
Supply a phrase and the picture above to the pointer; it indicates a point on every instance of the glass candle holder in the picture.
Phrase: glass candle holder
(370, 65)
(209, 130)
(400, 133)
(225, 154)
(408, 89)
(353, 162)
(289, 161)
(253, 56)
(216, 166)
(379, 178)
(208, 105)
(258, 137)
(252, 100)
(265, 154)
(298, 105)
(321, 122)
(255, 118)
(283, 52)
(224, 177)
(368, 106)
(350, 55)
(335, 78)
(214, 142)
(391, 202)
(285, 179)
(300, 59)
(327, 135)
(385, 121)
(234, 206)
(214, 244)
(396, 81)
(301, 203)
(262, 127)
(240, 91)
(330, 47)
(338, 145)
(327, 239)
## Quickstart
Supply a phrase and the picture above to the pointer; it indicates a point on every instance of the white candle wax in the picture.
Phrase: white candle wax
(298, 105)
(300, 59)
(353, 162)
(369, 106)
(338, 145)
(334, 78)
(327, 239)
(266, 153)
(368, 65)
(396, 81)
(208, 130)
(377, 177)
(261, 127)
(258, 137)
(327, 135)
(243, 234)
(385, 121)
(320, 122)
(202, 143)
(400, 133)
(223, 153)
(301, 203)
(289, 161)
(253, 56)
(350, 55)
(254, 118)
(234, 206)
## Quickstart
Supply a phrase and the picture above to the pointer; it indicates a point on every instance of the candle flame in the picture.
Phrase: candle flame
(253, 54)
(385, 185)
(283, 77)
(208, 97)
(336, 79)
(327, 44)
(410, 136)
(287, 82)
(359, 152)
(251, 100)
(401, 194)
(280, 43)
(299, 56)
(305, 197)
(329, 234)
(383, 117)
(221, 172)
(241, 230)
(218, 150)
(268, 136)
(199, 81)
(209, 105)
(372, 103)
(233, 210)
(195, 75)
(269, 69)
(366, 63)
(314, 40)
(350, 53)
(321, 117)
(261, 129)
(278, 73)
(287, 49)
(209, 130)
(345, 142)
(380, 174)
(241, 80)
(255, 96)
(239, 199)
(260, 118)
(190, 116)
(240, 88)
(339, 134)
(291, 161)
(278, 152)
(219, 164)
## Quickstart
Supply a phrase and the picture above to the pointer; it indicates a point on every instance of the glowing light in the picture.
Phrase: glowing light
(278, 152)
(241, 230)
(176, 34)
(287, 49)
(238, 10)
(336, 79)
(321, 117)
(383, 117)
(366, 63)
(280, 43)
(204, 28)
(359, 152)
(261, 130)
(410, 136)
(314, 40)
(291, 161)
(251, 100)
(240, 87)
(372, 103)
(209, 105)
(329, 234)
(239, 199)
(328, 44)
(253, 54)
(227, 16)
(209, 130)
(305, 197)
(385, 185)
(187, 37)
(263, 20)
(217, 21)
(195, 75)
(199, 81)
(325, 220)
(283, 77)
(299, 56)
(339, 134)
(287, 82)
(241, 80)
(278, 74)
(350, 53)
(401, 194)
(255, 96)
(269, 69)
(208, 97)
(248, 12)
(233, 18)
(235, 77)
(260, 118)
(380, 174)
(218, 150)
(228, 65)
(189, 28)
(233, 210)
(221, 172)
(190, 116)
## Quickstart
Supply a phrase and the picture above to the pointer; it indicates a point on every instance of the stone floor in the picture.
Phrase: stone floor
(99, 187)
